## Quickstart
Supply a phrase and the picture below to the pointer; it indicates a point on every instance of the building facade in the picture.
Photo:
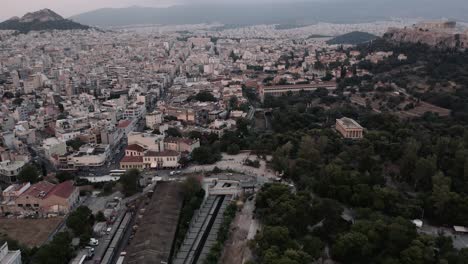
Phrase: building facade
(349, 128)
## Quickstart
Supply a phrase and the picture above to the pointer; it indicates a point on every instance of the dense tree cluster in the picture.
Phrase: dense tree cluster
(81, 222)
(203, 96)
(297, 228)
(401, 170)
(129, 182)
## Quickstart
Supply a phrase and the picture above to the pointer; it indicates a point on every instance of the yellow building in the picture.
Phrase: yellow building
(349, 128)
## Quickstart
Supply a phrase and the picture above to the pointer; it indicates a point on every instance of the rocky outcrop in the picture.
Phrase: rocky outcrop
(42, 16)
(44, 19)
(433, 38)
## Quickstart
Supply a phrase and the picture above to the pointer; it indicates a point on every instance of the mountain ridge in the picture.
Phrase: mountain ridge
(352, 38)
(336, 11)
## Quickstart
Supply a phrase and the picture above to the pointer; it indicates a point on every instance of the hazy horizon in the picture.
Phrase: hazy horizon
(68, 8)
(362, 9)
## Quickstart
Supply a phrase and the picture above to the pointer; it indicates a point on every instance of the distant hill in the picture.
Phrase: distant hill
(294, 13)
(44, 19)
(352, 38)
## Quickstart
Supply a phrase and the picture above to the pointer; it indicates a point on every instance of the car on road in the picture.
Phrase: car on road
(93, 242)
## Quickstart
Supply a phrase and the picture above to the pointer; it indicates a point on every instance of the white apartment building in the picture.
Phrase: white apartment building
(53, 146)
(135, 111)
(9, 170)
(154, 119)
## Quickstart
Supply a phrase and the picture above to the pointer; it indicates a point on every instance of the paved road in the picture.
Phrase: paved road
(236, 163)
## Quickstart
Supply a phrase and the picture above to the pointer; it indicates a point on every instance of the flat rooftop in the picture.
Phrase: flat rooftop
(155, 235)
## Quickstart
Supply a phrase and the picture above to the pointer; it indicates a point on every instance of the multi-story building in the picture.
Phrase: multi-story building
(44, 198)
(9, 170)
(182, 114)
(53, 146)
(349, 128)
(135, 111)
(154, 119)
(152, 160)
(181, 144)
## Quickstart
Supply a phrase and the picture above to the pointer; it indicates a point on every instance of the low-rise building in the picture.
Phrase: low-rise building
(148, 141)
(9, 256)
(152, 160)
(9, 170)
(43, 198)
(53, 146)
(161, 160)
(181, 144)
(349, 128)
(90, 156)
(134, 150)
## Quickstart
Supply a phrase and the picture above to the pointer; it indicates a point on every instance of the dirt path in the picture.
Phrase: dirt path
(236, 249)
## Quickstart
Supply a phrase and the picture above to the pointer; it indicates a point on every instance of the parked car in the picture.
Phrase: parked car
(93, 242)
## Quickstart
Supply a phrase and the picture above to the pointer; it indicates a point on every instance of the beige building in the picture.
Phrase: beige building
(154, 119)
(349, 128)
(151, 160)
(181, 144)
(146, 140)
(43, 198)
(182, 114)
(53, 146)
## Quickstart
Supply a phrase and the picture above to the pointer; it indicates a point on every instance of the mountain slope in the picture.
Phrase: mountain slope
(335, 11)
(352, 38)
(45, 19)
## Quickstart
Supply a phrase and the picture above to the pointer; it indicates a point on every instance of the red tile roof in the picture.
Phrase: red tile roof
(166, 153)
(45, 189)
(40, 189)
(135, 147)
(124, 123)
(64, 189)
(132, 159)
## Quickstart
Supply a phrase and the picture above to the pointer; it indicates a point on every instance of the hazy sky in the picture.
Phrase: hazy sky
(66, 8)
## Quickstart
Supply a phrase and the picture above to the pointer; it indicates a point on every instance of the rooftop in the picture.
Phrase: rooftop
(166, 153)
(349, 123)
(135, 147)
(132, 159)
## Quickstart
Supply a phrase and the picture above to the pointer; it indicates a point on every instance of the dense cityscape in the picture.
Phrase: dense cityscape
(213, 143)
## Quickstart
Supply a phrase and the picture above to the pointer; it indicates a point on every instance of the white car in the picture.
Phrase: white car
(93, 242)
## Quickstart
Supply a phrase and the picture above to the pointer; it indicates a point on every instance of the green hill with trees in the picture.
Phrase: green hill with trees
(352, 38)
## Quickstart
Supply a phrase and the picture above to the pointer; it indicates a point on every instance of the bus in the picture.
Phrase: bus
(117, 172)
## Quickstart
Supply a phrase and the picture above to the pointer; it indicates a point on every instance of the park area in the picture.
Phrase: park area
(29, 232)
